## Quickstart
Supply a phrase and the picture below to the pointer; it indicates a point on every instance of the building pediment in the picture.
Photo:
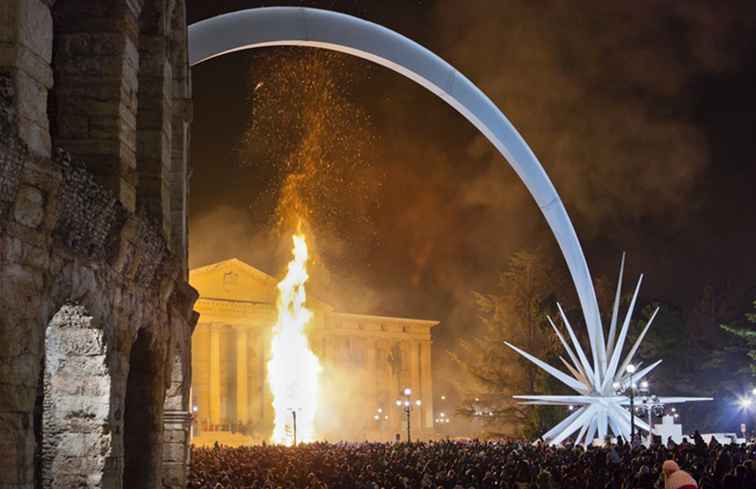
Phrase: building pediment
(235, 281)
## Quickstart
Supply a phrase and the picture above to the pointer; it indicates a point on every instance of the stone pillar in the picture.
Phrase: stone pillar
(26, 36)
(176, 447)
(154, 130)
(96, 67)
(181, 124)
(215, 375)
(242, 393)
(179, 178)
(413, 347)
(262, 370)
(426, 384)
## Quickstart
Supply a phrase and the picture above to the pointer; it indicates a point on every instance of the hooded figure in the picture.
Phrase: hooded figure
(674, 478)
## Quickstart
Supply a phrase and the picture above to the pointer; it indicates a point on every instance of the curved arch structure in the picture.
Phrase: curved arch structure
(300, 26)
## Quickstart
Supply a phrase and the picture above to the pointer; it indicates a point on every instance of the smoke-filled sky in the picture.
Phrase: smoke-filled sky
(643, 114)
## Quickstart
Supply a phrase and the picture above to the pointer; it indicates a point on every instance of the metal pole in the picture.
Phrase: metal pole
(632, 412)
(294, 415)
(650, 425)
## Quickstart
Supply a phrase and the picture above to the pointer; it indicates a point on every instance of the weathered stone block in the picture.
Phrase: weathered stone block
(13, 457)
(127, 194)
(8, 21)
(32, 98)
(30, 207)
(36, 28)
(84, 342)
(35, 136)
(19, 398)
(174, 452)
(25, 280)
(93, 445)
(73, 126)
(104, 126)
(83, 407)
(174, 436)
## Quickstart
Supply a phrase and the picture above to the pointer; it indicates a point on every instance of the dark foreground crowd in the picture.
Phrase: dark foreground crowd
(474, 464)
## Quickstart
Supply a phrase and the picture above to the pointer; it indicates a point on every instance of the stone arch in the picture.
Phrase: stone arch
(143, 411)
(77, 426)
(301, 26)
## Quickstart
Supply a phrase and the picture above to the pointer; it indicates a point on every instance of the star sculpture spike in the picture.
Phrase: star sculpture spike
(600, 403)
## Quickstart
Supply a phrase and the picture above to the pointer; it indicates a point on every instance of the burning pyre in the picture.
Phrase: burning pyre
(293, 369)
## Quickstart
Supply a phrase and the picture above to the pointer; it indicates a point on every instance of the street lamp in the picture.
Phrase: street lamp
(380, 417)
(195, 418)
(294, 425)
(631, 370)
(406, 405)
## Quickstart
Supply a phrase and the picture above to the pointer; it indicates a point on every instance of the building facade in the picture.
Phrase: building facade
(366, 362)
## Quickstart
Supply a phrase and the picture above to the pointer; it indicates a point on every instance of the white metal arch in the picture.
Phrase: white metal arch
(300, 26)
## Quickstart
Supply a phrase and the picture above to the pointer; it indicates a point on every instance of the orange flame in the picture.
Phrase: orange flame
(293, 369)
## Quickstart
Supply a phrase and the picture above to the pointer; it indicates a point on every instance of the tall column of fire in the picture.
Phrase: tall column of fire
(293, 369)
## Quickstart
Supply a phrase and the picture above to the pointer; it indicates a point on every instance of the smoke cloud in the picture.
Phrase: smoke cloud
(410, 209)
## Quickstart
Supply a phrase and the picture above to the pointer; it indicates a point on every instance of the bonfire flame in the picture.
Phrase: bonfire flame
(293, 369)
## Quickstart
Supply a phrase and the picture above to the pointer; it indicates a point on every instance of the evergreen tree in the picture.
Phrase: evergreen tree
(515, 313)
(747, 332)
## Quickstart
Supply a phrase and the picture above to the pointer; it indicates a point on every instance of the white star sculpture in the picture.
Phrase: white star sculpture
(600, 402)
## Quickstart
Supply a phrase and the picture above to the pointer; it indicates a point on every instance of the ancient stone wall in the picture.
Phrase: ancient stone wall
(95, 313)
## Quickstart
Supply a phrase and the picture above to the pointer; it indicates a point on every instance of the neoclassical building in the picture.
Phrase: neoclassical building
(367, 361)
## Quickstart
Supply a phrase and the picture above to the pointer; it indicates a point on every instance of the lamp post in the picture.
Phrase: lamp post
(647, 404)
(746, 404)
(631, 370)
(294, 417)
(380, 417)
(195, 418)
(406, 405)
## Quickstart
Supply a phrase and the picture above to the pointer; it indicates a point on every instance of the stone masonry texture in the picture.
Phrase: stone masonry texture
(96, 315)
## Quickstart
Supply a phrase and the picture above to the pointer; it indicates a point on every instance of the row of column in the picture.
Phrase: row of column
(415, 373)
(242, 367)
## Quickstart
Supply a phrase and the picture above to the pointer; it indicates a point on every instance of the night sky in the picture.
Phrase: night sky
(643, 114)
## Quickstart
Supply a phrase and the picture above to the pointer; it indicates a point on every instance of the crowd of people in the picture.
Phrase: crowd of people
(474, 465)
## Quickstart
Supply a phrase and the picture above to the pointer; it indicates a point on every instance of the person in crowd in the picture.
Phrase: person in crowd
(474, 464)
(675, 478)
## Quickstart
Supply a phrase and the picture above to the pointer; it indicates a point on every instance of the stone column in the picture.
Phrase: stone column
(25, 53)
(413, 347)
(154, 132)
(180, 144)
(242, 393)
(215, 375)
(426, 384)
(266, 401)
(176, 442)
(96, 64)
(372, 380)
